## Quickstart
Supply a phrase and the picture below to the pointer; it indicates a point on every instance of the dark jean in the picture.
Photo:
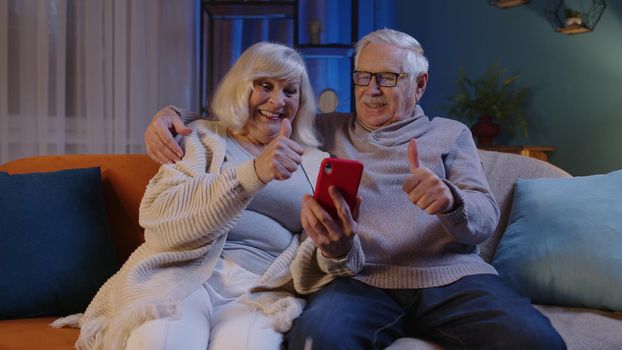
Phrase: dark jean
(475, 312)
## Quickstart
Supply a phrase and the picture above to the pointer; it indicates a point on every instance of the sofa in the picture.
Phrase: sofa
(124, 177)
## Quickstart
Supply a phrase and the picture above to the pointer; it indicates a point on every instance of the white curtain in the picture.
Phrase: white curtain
(85, 76)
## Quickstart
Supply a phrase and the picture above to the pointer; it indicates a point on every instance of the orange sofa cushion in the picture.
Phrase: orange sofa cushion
(124, 179)
(36, 334)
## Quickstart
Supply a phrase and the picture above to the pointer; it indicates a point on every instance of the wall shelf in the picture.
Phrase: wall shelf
(538, 152)
(573, 29)
(327, 50)
(250, 9)
(506, 4)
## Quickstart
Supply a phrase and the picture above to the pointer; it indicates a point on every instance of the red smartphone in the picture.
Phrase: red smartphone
(345, 174)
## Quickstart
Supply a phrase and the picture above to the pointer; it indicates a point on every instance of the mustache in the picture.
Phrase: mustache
(374, 100)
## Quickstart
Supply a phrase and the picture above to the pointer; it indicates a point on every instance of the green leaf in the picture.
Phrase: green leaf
(495, 93)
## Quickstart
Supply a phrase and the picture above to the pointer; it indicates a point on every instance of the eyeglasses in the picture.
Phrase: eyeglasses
(386, 79)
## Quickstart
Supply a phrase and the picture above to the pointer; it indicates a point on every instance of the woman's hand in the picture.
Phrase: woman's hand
(280, 158)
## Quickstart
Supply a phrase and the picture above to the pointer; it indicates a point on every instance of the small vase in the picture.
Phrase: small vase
(570, 21)
(485, 130)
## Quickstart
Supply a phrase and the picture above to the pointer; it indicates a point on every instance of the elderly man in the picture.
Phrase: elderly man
(407, 264)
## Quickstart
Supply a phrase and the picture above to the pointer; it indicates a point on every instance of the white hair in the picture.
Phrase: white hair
(415, 62)
(265, 60)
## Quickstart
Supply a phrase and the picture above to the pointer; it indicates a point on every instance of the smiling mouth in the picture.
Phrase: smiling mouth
(375, 105)
(272, 115)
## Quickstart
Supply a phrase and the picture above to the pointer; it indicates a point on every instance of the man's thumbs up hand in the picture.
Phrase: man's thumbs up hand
(423, 187)
(413, 155)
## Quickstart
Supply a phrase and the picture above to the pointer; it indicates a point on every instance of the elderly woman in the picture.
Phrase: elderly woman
(216, 224)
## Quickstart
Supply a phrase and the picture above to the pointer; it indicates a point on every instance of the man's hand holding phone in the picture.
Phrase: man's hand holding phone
(329, 217)
(333, 236)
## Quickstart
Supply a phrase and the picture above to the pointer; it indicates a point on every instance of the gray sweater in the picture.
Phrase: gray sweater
(398, 245)
(265, 228)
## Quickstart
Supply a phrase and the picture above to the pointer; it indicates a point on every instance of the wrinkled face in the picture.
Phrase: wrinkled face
(377, 105)
(270, 101)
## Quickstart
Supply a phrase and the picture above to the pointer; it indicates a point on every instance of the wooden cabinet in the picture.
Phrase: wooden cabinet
(538, 152)
(229, 27)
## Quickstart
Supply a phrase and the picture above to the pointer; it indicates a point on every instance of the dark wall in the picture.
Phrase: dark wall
(576, 80)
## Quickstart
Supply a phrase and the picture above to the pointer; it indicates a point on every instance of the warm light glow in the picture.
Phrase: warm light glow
(504, 4)
(573, 29)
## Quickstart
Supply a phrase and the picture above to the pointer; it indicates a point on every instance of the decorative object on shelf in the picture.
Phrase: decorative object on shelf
(567, 20)
(506, 4)
(493, 98)
(572, 17)
(485, 130)
(315, 29)
(328, 101)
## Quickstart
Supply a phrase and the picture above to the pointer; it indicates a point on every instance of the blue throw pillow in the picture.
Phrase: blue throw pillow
(55, 250)
(563, 243)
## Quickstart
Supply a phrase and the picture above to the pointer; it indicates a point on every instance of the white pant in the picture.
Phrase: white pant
(212, 318)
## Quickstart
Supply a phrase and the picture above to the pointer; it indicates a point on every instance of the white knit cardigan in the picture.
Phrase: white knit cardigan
(187, 210)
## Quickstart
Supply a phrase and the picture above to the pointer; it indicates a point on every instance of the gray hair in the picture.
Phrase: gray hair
(415, 62)
(265, 60)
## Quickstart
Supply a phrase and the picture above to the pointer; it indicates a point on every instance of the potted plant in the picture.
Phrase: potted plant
(490, 99)
(572, 17)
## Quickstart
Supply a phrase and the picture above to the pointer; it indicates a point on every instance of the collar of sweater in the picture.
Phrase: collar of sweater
(396, 133)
